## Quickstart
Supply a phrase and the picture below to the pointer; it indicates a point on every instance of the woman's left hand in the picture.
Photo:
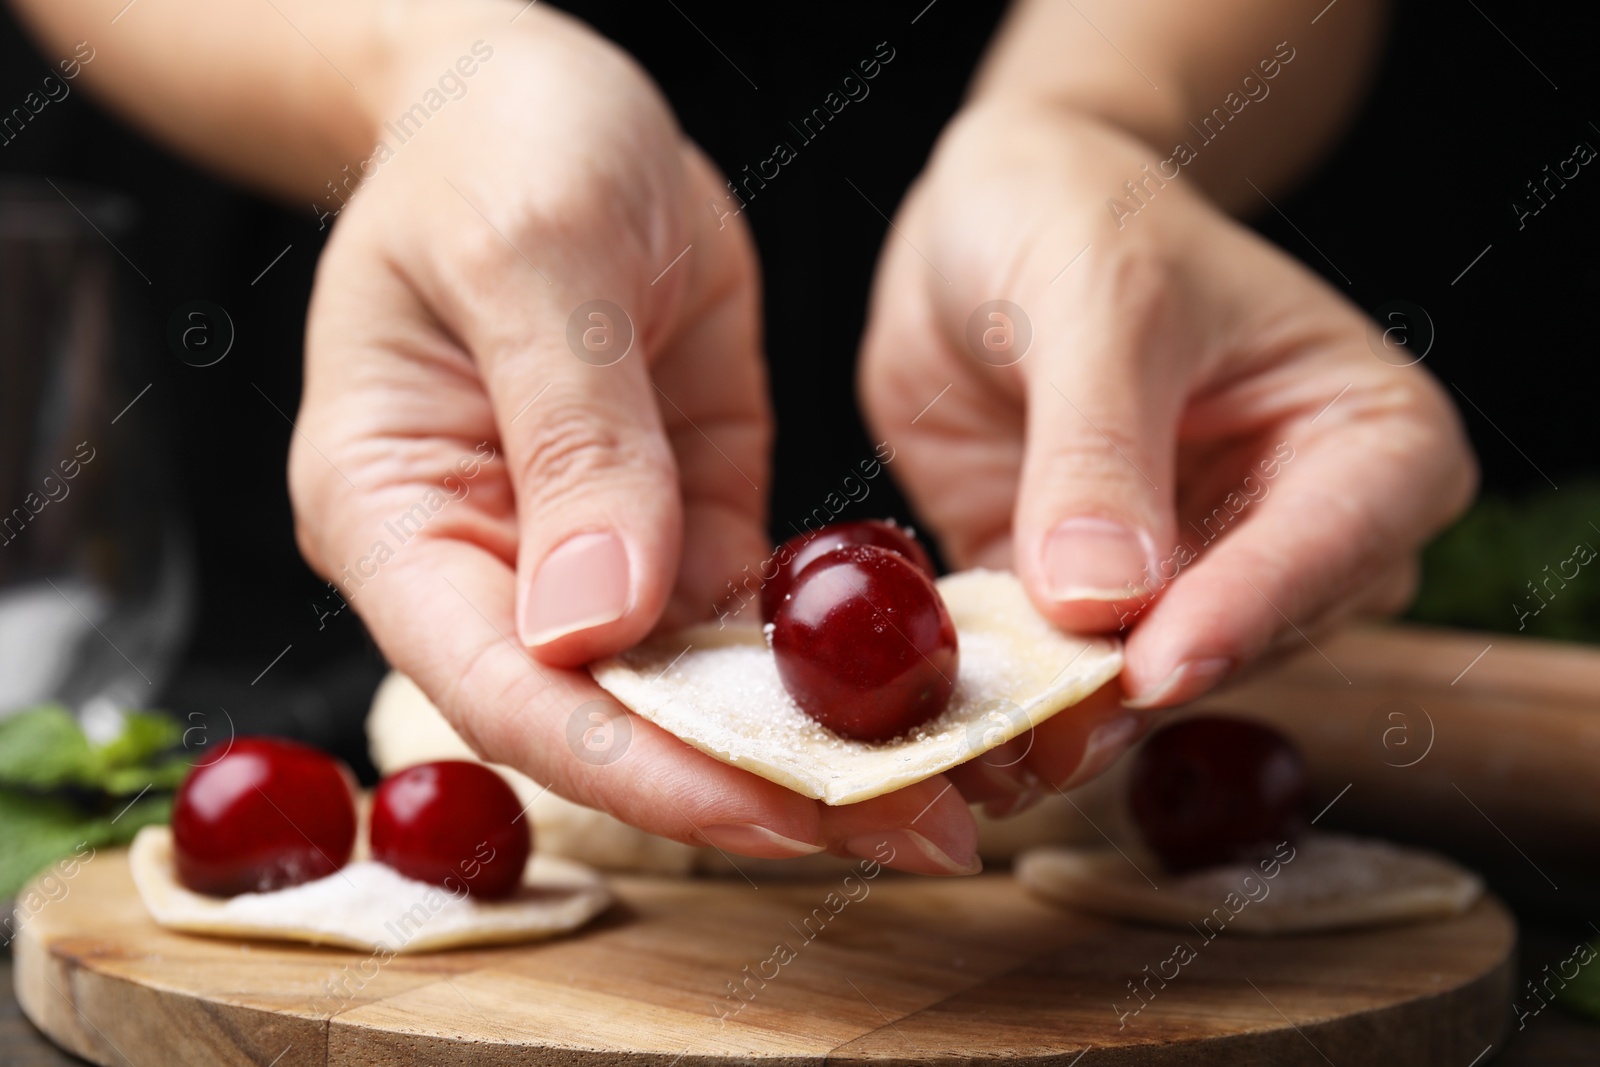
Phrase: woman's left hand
(1169, 428)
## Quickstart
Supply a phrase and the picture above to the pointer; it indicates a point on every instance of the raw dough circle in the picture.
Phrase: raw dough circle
(366, 905)
(719, 690)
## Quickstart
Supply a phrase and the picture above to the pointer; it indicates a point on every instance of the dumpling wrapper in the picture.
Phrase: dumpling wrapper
(370, 906)
(1333, 882)
(404, 729)
(719, 690)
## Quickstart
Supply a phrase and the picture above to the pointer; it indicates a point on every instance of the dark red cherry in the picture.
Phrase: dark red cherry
(796, 553)
(455, 824)
(1216, 790)
(864, 643)
(268, 813)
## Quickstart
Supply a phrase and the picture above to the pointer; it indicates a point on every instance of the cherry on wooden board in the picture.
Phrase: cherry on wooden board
(455, 824)
(267, 814)
(1216, 789)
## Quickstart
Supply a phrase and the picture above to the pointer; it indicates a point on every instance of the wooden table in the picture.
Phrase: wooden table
(1506, 743)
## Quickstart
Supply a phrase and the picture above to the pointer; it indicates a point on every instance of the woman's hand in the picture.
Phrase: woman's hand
(1196, 448)
(489, 467)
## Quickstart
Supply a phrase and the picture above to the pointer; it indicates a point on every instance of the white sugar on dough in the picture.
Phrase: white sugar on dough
(719, 690)
(404, 729)
(370, 906)
(1331, 882)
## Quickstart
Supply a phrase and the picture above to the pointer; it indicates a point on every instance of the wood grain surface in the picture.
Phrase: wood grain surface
(911, 971)
(1495, 763)
(1485, 746)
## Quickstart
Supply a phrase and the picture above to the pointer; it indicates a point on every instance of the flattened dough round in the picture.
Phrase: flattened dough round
(719, 690)
(404, 729)
(1332, 882)
(371, 907)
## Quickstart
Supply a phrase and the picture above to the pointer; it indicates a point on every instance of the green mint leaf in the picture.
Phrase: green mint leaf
(152, 810)
(42, 748)
(164, 774)
(1581, 994)
(145, 735)
(1518, 566)
(35, 832)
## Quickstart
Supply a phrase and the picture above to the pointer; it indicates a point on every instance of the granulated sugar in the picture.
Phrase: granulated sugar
(720, 691)
(743, 681)
(371, 901)
(1321, 882)
(371, 906)
(1324, 867)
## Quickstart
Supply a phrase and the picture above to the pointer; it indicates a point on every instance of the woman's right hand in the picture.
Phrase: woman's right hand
(506, 486)
(1127, 449)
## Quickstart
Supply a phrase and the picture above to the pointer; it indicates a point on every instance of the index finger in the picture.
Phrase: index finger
(444, 625)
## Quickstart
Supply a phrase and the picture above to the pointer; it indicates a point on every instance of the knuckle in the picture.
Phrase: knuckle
(567, 445)
(505, 236)
(306, 481)
(574, 446)
(308, 491)
(1436, 442)
(1103, 452)
(1132, 283)
(1138, 276)
(308, 543)
(887, 387)
(1461, 477)
(1394, 592)
(1461, 470)
(477, 684)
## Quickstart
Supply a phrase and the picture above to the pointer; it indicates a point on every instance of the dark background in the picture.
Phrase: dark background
(1459, 120)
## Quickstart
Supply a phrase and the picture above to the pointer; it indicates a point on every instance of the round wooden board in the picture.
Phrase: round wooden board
(912, 971)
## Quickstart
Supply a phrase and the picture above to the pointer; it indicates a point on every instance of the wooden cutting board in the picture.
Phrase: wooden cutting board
(913, 971)
(1495, 759)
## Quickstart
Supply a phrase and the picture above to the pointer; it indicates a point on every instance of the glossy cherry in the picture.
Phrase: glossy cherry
(795, 554)
(455, 824)
(1215, 789)
(268, 813)
(864, 644)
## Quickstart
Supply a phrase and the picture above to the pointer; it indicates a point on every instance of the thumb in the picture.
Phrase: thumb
(599, 518)
(1095, 499)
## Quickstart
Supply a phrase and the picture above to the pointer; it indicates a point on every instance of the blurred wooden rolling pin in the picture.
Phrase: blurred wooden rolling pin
(1482, 745)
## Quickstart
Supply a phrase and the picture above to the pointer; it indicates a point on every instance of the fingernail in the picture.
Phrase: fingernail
(1187, 682)
(748, 839)
(907, 850)
(1108, 741)
(582, 583)
(1095, 559)
(1006, 807)
(1010, 781)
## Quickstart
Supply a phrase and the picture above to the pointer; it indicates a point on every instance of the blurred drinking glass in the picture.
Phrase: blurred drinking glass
(96, 580)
